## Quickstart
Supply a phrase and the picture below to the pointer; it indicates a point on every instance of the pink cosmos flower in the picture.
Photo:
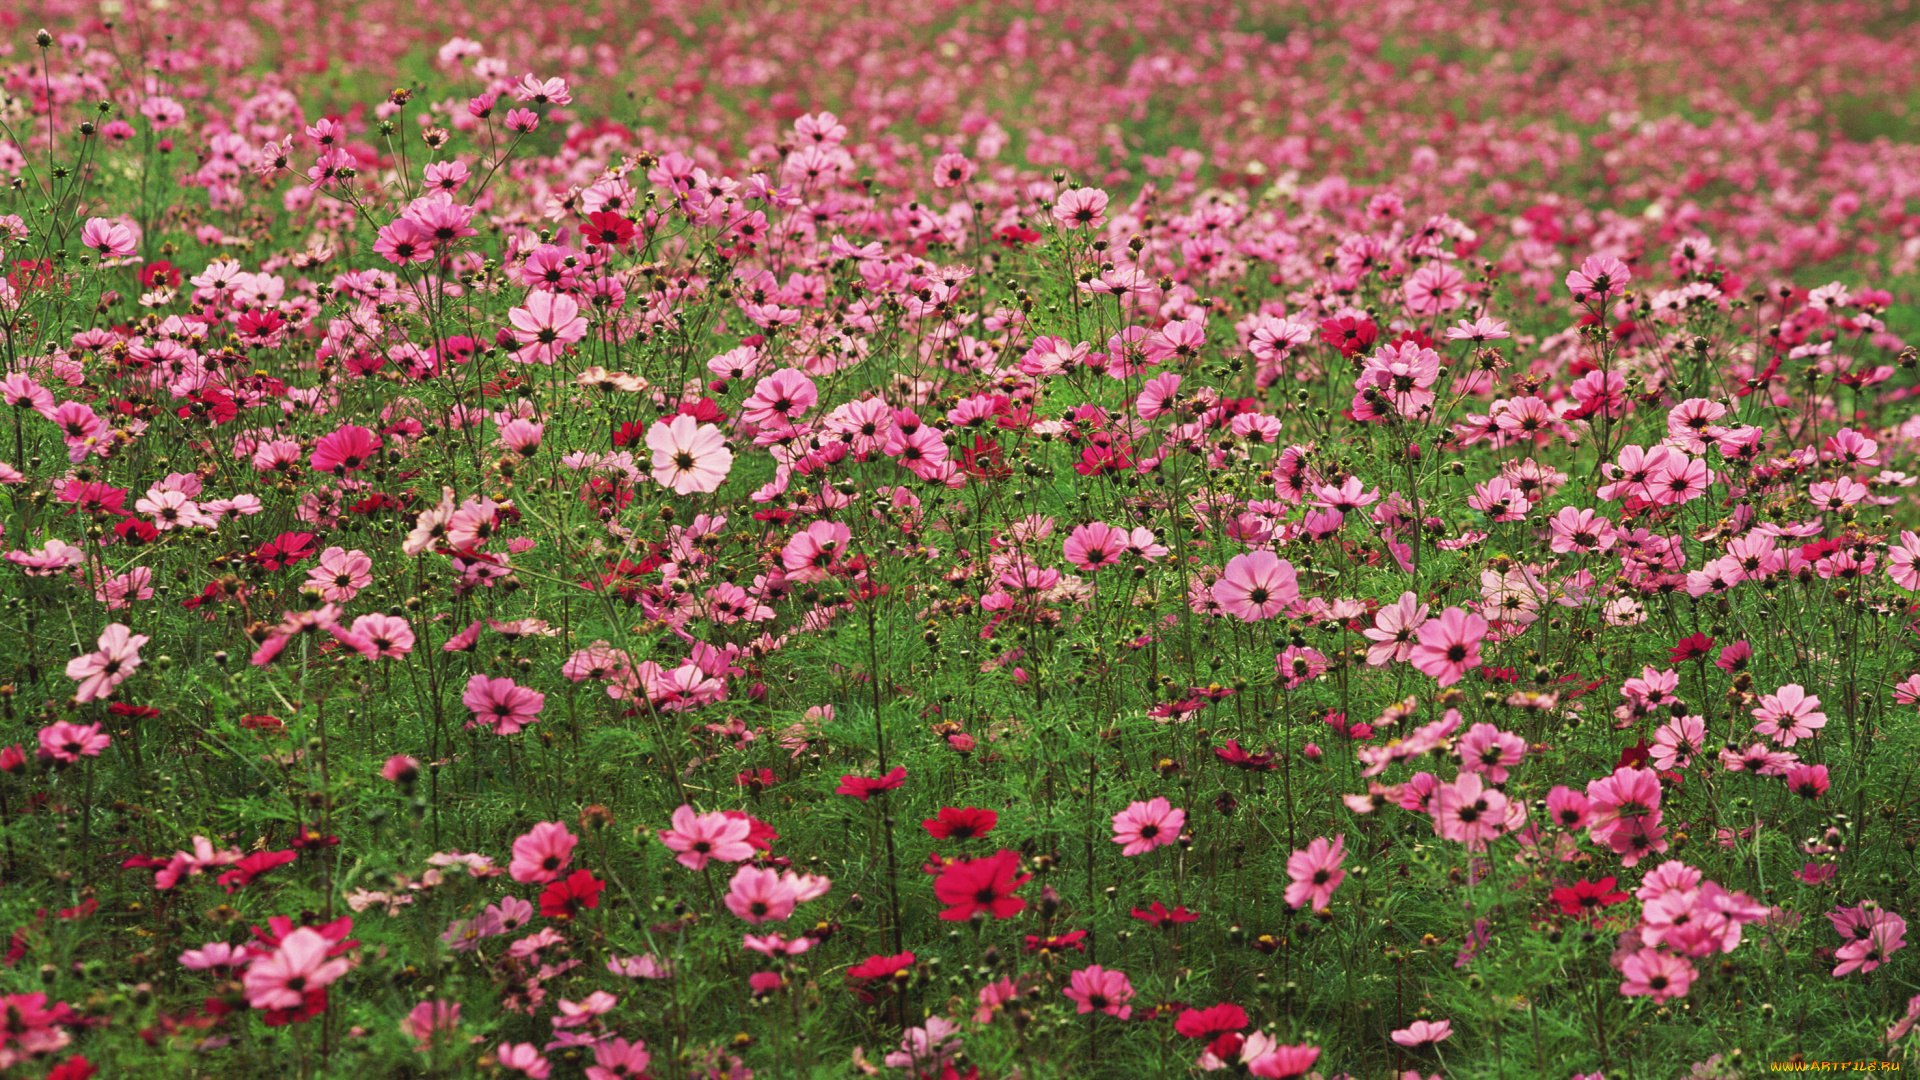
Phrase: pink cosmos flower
(698, 837)
(758, 895)
(1466, 812)
(341, 574)
(1884, 934)
(282, 978)
(618, 1059)
(1449, 645)
(379, 636)
(1095, 546)
(1096, 989)
(525, 1058)
(68, 743)
(1316, 872)
(502, 703)
(1485, 748)
(112, 239)
(400, 768)
(1256, 585)
(1081, 208)
(780, 399)
(814, 555)
(1659, 974)
(1599, 277)
(688, 456)
(100, 671)
(542, 852)
(1393, 630)
(1143, 826)
(429, 1019)
(546, 326)
(1423, 1033)
(1789, 714)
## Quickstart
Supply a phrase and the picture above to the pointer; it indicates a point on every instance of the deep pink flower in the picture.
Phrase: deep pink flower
(502, 703)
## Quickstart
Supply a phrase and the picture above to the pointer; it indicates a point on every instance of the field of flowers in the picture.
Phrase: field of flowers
(995, 540)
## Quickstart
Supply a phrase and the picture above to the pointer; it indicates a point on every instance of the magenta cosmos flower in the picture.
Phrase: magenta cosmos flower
(108, 666)
(1256, 585)
(1144, 826)
(688, 456)
(1449, 645)
(546, 326)
(502, 703)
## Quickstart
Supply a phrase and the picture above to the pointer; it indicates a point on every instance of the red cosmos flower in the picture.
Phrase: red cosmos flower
(1015, 235)
(864, 979)
(135, 533)
(158, 273)
(982, 885)
(1158, 915)
(1352, 336)
(565, 899)
(1209, 1023)
(963, 823)
(610, 229)
(985, 460)
(1233, 755)
(283, 551)
(212, 404)
(1102, 461)
(1691, 648)
(1585, 898)
(861, 787)
(1072, 939)
(253, 866)
(76, 1067)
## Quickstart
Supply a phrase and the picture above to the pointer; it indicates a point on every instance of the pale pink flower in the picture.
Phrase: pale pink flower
(546, 326)
(100, 671)
(1449, 645)
(689, 456)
